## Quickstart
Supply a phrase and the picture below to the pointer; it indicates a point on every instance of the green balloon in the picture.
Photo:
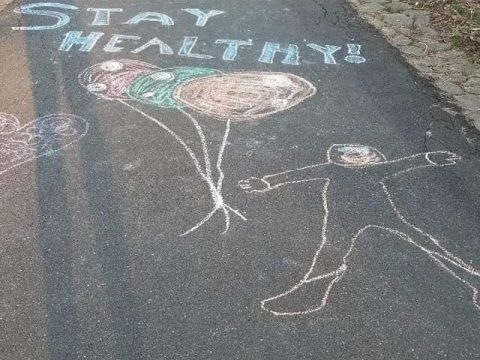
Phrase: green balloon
(157, 88)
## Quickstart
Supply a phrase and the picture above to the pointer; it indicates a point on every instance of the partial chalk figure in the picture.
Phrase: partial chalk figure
(356, 199)
(41, 137)
(239, 96)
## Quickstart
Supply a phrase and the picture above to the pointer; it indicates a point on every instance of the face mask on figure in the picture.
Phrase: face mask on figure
(354, 155)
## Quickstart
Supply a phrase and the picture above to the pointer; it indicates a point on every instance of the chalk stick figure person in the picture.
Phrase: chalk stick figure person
(356, 199)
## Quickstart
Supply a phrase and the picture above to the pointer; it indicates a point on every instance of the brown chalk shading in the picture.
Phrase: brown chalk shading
(244, 95)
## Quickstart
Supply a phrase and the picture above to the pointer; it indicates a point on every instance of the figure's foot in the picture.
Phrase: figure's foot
(306, 297)
(463, 273)
(475, 299)
(475, 293)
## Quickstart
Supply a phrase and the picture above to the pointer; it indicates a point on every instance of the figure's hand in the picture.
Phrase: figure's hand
(254, 184)
(443, 158)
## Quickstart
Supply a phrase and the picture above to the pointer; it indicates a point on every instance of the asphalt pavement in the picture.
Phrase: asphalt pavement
(229, 180)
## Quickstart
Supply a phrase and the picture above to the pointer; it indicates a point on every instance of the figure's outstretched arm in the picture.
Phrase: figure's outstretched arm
(417, 161)
(274, 181)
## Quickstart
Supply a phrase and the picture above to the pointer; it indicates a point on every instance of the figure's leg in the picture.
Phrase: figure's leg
(425, 241)
(304, 298)
(455, 266)
(429, 244)
(339, 233)
(327, 268)
(460, 274)
(311, 293)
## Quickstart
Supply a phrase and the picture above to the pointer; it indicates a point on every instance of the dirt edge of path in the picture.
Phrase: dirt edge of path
(411, 31)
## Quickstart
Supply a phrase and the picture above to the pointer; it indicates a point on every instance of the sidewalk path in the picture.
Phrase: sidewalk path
(229, 180)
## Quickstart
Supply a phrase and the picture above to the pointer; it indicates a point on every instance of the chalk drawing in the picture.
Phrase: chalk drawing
(41, 137)
(163, 48)
(157, 88)
(244, 95)
(354, 54)
(75, 38)
(29, 9)
(202, 17)
(102, 15)
(231, 97)
(189, 43)
(327, 51)
(163, 19)
(85, 42)
(231, 51)
(270, 49)
(288, 54)
(117, 39)
(355, 180)
(110, 80)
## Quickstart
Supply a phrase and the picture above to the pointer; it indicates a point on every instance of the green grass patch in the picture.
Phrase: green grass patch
(472, 15)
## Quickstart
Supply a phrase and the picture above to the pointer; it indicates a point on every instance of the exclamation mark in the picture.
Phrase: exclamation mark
(354, 54)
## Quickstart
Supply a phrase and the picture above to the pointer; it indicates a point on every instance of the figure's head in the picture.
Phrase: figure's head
(111, 79)
(354, 155)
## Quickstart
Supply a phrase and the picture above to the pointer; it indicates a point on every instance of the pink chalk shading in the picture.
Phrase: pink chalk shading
(110, 79)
